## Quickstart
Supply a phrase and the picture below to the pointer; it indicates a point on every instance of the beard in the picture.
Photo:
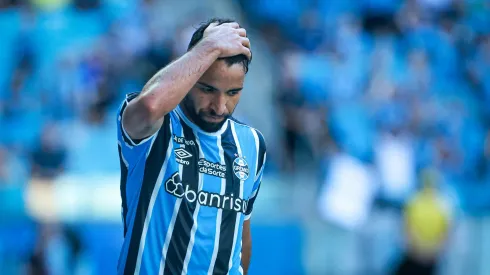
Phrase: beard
(198, 117)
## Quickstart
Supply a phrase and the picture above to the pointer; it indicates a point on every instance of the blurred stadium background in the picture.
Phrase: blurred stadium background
(376, 114)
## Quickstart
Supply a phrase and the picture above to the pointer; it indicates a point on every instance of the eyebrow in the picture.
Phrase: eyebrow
(214, 88)
(206, 85)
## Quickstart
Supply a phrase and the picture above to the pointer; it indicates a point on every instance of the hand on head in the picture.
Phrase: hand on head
(229, 38)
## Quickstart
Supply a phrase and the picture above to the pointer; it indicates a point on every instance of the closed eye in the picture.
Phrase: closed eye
(233, 92)
(207, 90)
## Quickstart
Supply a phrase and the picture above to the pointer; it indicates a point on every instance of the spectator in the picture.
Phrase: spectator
(13, 179)
(12, 169)
(406, 83)
(395, 161)
(48, 158)
(427, 223)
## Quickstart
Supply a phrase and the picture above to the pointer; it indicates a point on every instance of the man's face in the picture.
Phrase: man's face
(214, 97)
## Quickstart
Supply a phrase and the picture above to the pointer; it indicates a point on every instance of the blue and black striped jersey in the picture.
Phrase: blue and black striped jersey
(185, 195)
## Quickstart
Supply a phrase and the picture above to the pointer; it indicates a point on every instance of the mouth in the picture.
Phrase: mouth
(214, 119)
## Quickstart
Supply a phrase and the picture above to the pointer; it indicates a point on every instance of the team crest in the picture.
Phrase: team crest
(240, 168)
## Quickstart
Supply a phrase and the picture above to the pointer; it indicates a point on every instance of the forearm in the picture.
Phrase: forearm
(166, 89)
(171, 84)
(246, 256)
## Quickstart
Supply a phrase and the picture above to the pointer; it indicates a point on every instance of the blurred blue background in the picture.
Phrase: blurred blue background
(376, 115)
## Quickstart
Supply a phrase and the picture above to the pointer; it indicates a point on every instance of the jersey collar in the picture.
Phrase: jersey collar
(196, 128)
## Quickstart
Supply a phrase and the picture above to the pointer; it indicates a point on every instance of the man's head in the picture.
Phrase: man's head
(216, 94)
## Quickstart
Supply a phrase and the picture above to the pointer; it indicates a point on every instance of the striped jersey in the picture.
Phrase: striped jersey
(185, 195)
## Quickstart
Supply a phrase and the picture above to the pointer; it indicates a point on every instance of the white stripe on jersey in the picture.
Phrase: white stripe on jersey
(196, 212)
(151, 145)
(256, 137)
(172, 221)
(254, 193)
(122, 155)
(154, 194)
(220, 211)
(169, 235)
(239, 215)
(240, 268)
(123, 131)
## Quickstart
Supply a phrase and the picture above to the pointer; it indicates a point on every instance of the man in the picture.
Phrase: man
(427, 218)
(190, 172)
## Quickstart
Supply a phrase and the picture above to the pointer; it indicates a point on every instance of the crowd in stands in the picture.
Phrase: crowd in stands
(383, 89)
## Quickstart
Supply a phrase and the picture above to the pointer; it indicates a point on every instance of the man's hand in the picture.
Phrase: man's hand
(228, 38)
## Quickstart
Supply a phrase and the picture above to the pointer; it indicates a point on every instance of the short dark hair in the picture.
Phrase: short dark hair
(199, 33)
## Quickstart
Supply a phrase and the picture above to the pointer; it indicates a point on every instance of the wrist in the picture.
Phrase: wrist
(209, 48)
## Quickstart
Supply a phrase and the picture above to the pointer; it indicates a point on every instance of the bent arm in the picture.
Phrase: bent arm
(165, 90)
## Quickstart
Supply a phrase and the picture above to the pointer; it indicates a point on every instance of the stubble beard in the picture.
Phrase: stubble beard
(198, 117)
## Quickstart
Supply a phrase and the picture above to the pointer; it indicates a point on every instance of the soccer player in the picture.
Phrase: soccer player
(190, 173)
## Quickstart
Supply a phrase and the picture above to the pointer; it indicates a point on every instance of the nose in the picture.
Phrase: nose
(219, 104)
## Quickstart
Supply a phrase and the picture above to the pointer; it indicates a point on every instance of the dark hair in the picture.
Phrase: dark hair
(199, 33)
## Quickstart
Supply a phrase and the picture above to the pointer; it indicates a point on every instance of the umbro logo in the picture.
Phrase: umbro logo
(183, 154)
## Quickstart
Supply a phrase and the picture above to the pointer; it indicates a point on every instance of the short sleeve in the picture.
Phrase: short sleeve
(261, 159)
(128, 141)
(130, 149)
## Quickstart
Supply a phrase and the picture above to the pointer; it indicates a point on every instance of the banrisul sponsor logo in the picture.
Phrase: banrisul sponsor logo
(181, 155)
(212, 168)
(177, 188)
(240, 168)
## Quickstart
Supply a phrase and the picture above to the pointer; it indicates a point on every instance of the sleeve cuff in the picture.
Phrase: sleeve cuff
(128, 140)
(247, 217)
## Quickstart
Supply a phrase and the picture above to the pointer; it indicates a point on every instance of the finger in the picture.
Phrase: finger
(242, 32)
(246, 51)
(212, 25)
(231, 25)
(246, 42)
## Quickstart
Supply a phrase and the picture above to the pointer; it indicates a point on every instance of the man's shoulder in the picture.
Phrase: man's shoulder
(249, 130)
